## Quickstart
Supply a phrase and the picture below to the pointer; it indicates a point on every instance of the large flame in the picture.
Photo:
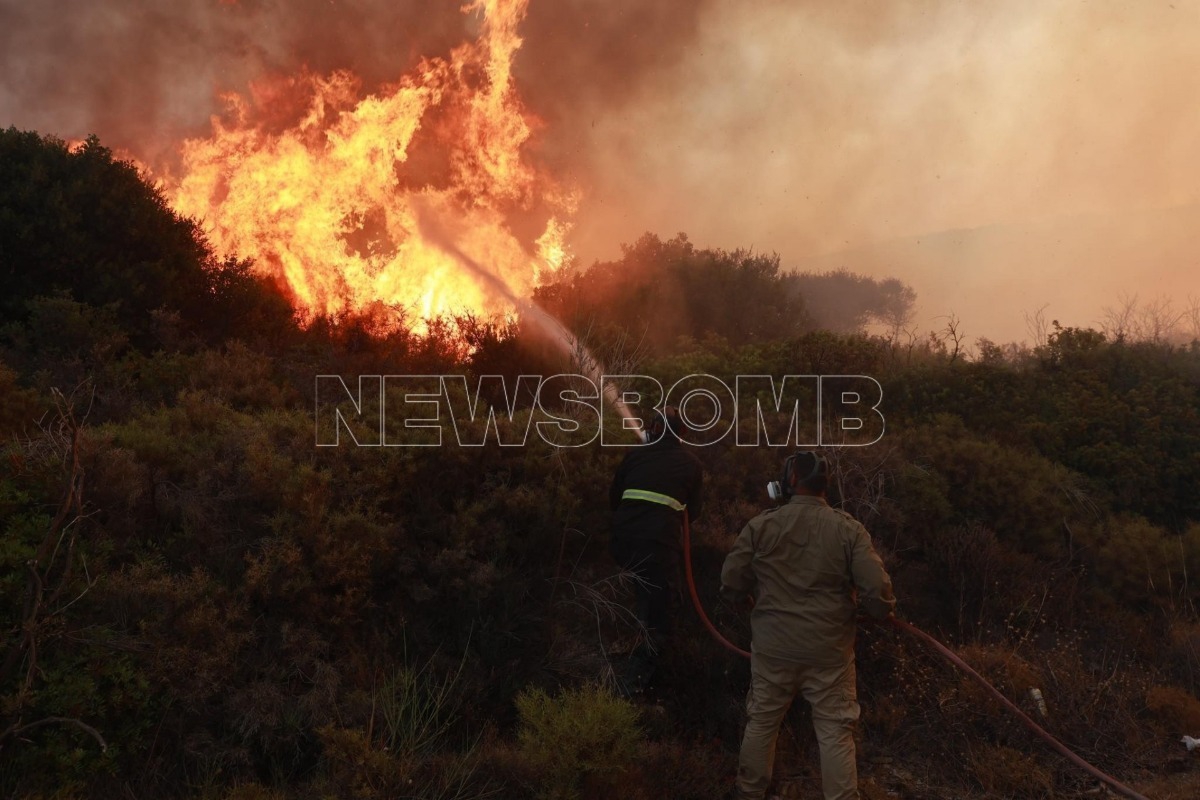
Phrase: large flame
(330, 201)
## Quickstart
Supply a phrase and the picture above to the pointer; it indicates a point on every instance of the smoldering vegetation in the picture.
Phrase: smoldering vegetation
(661, 292)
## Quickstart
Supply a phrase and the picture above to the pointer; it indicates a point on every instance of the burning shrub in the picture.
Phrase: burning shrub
(737, 296)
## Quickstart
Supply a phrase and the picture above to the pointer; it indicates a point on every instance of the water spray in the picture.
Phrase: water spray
(593, 369)
(572, 347)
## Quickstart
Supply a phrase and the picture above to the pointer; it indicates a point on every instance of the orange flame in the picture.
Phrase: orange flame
(330, 205)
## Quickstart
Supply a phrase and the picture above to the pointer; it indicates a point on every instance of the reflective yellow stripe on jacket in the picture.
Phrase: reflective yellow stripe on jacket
(653, 497)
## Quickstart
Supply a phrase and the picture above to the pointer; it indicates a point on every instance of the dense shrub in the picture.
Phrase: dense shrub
(76, 222)
(236, 612)
(581, 736)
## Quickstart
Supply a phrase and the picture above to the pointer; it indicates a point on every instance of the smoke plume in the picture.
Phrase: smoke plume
(999, 157)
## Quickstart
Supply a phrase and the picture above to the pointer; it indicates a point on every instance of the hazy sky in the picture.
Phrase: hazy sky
(809, 126)
(1061, 126)
(837, 134)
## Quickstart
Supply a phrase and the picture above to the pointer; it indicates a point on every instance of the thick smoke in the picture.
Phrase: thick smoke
(897, 119)
(1022, 151)
(997, 156)
(143, 73)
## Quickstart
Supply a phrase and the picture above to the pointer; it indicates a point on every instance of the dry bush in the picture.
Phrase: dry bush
(1174, 710)
(1005, 772)
(1173, 787)
(962, 708)
(357, 768)
(700, 770)
(1183, 639)
(254, 791)
(899, 690)
(886, 715)
(992, 586)
(939, 718)
(1004, 668)
(1096, 698)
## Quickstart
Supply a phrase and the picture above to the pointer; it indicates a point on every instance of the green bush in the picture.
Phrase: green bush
(579, 735)
(1022, 496)
(1138, 562)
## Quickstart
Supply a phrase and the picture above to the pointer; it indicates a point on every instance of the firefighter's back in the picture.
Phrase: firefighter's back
(805, 595)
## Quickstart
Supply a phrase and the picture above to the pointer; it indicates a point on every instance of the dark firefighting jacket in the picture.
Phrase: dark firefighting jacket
(649, 478)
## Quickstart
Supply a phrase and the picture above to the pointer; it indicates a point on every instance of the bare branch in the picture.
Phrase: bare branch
(1118, 321)
(1191, 316)
(16, 730)
(1037, 327)
(51, 569)
(950, 337)
(1154, 320)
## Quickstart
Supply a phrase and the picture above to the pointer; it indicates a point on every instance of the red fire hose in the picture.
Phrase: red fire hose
(940, 649)
(691, 582)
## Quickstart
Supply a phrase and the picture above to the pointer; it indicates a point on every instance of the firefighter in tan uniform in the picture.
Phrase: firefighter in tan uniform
(809, 568)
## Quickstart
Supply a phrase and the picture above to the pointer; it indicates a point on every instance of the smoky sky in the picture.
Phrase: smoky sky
(143, 73)
(836, 134)
(894, 119)
(999, 156)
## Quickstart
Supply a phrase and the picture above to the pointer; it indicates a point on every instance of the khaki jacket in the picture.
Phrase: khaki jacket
(808, 567)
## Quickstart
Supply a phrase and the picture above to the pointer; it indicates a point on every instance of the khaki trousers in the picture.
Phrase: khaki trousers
(832, 693)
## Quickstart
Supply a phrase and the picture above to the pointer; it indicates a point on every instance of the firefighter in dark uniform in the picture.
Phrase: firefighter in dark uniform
(654, 484)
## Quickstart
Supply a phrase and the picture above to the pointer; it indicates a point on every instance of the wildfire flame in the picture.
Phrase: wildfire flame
(331, 205)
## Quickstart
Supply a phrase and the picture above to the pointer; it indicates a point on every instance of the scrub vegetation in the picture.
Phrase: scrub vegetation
(197, 602)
